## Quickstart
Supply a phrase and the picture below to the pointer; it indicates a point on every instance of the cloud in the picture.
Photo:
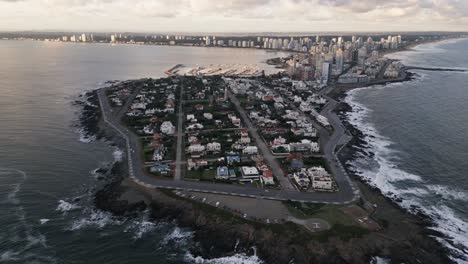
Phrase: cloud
(419, 13)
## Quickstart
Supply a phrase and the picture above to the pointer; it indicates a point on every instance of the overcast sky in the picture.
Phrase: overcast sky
(234, 15)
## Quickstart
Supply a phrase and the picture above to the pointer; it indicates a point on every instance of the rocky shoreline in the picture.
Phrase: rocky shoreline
(217, 233)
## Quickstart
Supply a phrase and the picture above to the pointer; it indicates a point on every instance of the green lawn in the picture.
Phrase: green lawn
(205, 175)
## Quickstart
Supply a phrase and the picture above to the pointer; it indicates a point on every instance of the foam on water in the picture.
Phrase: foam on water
(118, 155)
(386, 176)
(43, 221)
(94, 218)
(237, 258)
(141, 226)
(85, 137)
(177, 235)
(64, 206)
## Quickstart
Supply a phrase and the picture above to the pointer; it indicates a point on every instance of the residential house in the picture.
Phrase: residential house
(222, 173)
(249, 173)
(250, 150)
(213, 147)
(167, 128)
(267, 177)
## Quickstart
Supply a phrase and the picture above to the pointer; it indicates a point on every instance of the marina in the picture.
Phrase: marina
(235, 70)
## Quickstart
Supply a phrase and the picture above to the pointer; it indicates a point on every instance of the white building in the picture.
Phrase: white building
(250, 173)
(250, 150)
(213, 147)
(196, 148)
(167, 128)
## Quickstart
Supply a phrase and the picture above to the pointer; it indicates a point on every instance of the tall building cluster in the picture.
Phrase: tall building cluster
(330, 56)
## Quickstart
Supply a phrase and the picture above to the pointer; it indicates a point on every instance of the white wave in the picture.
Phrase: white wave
(95, 219)
(448, 193)
(386, 175)
(43, 221)
(177, 235)
(141, 226)
(237, 258)
(64, 206)
(454, 228)
(118, 155)
(379, 260)
(84, 137)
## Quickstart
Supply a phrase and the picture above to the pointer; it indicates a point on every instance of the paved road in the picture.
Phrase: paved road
(339, 137)
(263, 148)
(180, 134)
(135, 164)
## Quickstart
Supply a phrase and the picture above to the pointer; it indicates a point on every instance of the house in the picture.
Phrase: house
(199, 107)
(278, 141)
(249, 173)
(250, 150)
(222, 173)
(196, 147)
(267, 177)
(231, 159)
(158, 153)
(191, 117)
(167, 128)
(213, 147)
(148, 129)
(208, 116)
(235, 121)
(245, 140)
(304, 146)
(322, 183)
(244, 133)
(302, 179)
(196, 126)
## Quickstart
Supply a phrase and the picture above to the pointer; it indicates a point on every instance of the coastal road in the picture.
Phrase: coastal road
(340, 137)
(136, 173)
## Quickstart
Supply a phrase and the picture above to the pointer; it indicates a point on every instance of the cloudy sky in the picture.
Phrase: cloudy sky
(234, 15)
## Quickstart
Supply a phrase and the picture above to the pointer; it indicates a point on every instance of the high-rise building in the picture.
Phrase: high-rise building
(207, 41)
(326, 73)
(83, 37)
(113, 39)
(339, 61)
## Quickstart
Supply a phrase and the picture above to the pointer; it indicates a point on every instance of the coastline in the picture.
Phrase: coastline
(220, 233)
(360, 146)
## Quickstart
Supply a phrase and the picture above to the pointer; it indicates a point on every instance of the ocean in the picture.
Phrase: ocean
(416, 149)
(49, 167)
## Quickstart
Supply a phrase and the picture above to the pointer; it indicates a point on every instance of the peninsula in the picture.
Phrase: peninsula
(258, 162)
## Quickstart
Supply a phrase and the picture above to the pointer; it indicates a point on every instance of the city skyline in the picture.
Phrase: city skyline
(234, 16)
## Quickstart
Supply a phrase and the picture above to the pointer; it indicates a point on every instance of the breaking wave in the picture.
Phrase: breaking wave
(94, 218)
(237, 258)
(381, 170)
(177, 235)
(64, 206)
